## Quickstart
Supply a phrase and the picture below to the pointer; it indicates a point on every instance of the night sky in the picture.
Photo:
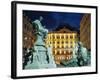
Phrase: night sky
(53, 19)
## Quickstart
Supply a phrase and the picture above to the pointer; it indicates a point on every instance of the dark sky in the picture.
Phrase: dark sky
(53, 19)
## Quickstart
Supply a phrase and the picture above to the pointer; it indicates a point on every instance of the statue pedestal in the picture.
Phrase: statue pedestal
(42, 58)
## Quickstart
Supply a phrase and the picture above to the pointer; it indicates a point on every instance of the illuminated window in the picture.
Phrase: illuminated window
(58, 47)
(66, 46)
(71, 37)
(66, 37)
(53, 36)
(58, 42)
(62, 52)
(66, 42)
(58, 37)
(62, 46)
(62, 37)
(71, 42)
(71, 46)
(25, 38)
(58, 52)
(62, 42)
(75, 36)
(53, 52)
(67, 57)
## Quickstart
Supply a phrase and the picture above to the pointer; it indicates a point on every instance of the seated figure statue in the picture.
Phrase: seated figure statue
(80, 54)
(79, 57)
(41, 55)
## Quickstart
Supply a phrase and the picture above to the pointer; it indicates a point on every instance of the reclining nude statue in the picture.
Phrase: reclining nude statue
(41, 56)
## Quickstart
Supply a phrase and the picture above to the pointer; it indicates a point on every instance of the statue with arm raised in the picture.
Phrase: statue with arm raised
(42, 55)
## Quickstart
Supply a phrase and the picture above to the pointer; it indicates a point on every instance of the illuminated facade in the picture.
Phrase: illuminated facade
(62, 42)
(85, 31)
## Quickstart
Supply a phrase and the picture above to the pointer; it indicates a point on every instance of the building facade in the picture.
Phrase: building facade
(85, 31)
(28, 37)
(62, 42)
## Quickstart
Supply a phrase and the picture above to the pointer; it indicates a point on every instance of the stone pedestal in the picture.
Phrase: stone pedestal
(42, 58)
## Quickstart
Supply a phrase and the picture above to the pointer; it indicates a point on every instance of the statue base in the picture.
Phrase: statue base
(42, 58)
